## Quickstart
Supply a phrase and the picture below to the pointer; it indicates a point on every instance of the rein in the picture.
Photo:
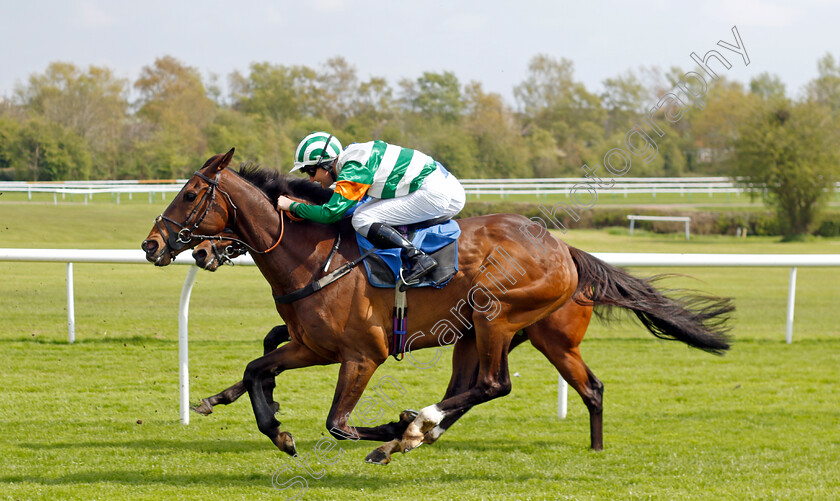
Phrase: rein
(178, 240)
(322, 282)
(184, 236)
(226, 255)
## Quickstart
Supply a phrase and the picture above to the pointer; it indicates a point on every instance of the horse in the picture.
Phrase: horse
(212, 253)
(513, 276)
(207, 256)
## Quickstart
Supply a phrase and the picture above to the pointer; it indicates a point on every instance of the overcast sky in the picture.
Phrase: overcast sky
(490, 41)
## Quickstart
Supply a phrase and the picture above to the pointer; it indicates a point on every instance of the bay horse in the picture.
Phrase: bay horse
(481, 310)
(211, 253)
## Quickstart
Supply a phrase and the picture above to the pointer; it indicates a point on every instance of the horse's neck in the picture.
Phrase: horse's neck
(296, 260)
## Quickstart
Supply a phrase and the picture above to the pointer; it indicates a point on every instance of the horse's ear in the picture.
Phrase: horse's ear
(218, 162)
(226, 159)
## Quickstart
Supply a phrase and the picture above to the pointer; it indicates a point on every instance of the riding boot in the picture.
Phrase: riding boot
(385, 237)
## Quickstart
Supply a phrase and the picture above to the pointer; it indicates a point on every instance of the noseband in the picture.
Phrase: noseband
(176, 241)
(184, 236)
(226, 255)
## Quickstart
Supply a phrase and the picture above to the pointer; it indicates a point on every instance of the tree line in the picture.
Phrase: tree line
(75, 123)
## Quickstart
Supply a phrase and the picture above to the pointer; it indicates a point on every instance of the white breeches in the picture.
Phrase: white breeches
(438, 196)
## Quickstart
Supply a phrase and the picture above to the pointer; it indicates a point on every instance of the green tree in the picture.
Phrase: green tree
(374, 108)
(552, 100)
(544, 155)
(624, 98)
(452, 147)
(49, 152)
(825, 89)
(791, 149)
(9, 137)
(767, 87)
(338, 90)
(501, 149)
(434, 95)
(715, 128)
(257, 138)
(280, 93)
(91, 103)
(173, 99)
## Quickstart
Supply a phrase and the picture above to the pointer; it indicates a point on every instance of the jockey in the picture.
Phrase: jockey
(406, 186)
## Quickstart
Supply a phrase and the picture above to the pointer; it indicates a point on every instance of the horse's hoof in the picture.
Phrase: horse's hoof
(286, 443)
(431, 436)
(411, 447)
(377, 457)
(204, 408)
(408, 415)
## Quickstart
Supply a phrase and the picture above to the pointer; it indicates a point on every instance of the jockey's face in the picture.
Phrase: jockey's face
(323, 177)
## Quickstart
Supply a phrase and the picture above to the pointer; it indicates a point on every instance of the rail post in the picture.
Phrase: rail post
(71, 308)
(183, 347)
(790, 304)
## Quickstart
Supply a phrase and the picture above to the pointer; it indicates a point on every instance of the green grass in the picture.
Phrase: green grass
(758, 423)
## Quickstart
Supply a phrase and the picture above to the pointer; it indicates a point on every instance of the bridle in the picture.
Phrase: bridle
(234, 249)
(185, 236)
(176, 241)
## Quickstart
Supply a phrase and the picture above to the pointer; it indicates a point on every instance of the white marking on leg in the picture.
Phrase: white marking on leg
(430, 414)
(428, 418)
(436, 432)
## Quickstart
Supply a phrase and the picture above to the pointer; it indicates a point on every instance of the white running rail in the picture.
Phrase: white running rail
(685, 186)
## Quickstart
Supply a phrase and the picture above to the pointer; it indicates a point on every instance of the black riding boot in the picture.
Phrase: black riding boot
(386, 237)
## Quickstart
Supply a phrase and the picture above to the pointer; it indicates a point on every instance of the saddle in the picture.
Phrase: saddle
(436, 237)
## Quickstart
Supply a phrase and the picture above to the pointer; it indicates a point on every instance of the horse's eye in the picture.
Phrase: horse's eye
(189, 196)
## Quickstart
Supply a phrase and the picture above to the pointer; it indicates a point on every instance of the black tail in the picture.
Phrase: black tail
(697, 320)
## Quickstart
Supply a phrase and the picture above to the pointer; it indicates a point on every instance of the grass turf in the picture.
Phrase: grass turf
(758, 423)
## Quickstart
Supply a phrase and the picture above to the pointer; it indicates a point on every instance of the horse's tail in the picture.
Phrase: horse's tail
(695, 319)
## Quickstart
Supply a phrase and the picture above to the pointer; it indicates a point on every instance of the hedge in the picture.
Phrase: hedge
(726, 222)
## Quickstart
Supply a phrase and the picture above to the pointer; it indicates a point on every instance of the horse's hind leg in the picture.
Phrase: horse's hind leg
(464, 375)
(557, 337)
(276, 336)
(492, 343)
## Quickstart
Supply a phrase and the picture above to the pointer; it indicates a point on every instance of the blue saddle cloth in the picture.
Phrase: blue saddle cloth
(440, 241)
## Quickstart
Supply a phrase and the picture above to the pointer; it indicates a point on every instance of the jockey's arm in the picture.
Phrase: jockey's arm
(348, 192)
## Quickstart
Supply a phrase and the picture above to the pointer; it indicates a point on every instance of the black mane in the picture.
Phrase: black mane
(274, 184)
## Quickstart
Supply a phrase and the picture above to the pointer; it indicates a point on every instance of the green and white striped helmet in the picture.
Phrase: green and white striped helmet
(314, 149)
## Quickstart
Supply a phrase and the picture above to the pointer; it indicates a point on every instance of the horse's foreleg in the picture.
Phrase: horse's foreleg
(557, 337)
(289, 356)
(353, 378)
(279, 334)
(276, 336)
(224, 397)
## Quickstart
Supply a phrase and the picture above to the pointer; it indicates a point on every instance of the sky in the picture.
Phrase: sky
(490, 41)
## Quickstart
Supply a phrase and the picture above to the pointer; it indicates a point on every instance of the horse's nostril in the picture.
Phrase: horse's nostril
(149, 246)
(200, 254)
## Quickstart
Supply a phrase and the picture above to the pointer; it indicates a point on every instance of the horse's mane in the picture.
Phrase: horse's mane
(274, 184)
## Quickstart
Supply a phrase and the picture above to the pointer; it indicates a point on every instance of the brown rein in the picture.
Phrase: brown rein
(185, 235)
(291, 217)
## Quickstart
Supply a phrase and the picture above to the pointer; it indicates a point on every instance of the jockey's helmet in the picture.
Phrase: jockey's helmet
(316, 149)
